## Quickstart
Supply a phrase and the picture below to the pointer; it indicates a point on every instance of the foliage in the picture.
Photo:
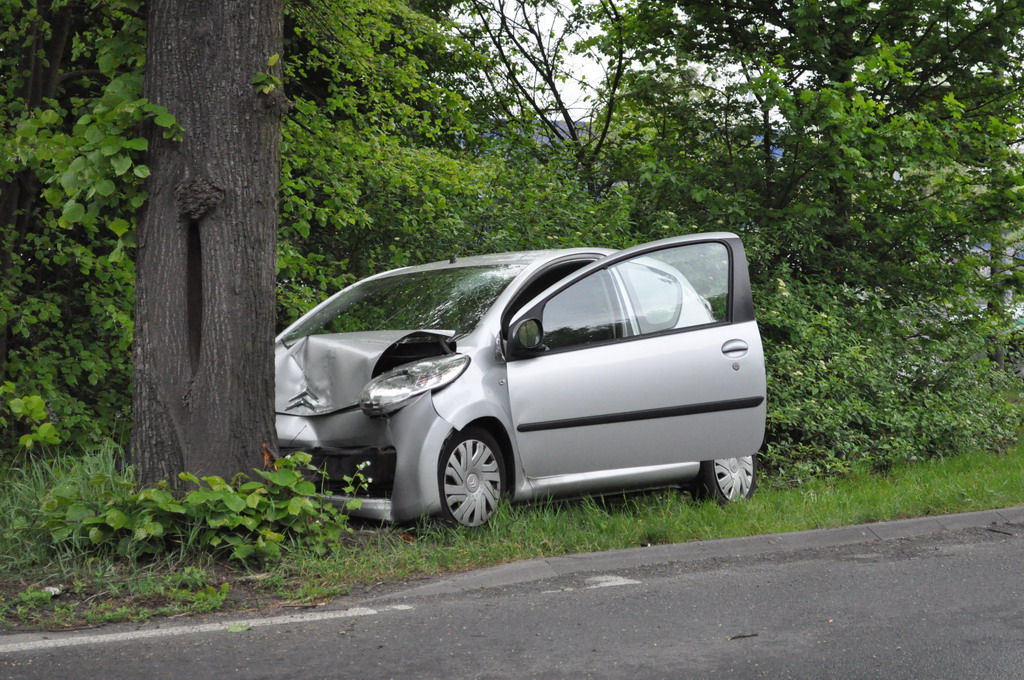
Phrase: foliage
(71, 173)
(96, 592)
(88, 507)
(866, 152)
(868, 155)
(383, 167)
(544, 105)
(849, 160)
(849, 387)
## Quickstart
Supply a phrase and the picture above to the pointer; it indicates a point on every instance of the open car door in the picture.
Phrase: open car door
(648, 357)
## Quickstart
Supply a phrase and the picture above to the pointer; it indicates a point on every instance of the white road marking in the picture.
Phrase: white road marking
(219, 627)
(609, 581)
(596, 582)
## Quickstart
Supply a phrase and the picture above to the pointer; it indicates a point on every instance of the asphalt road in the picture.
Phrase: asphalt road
(933, 598)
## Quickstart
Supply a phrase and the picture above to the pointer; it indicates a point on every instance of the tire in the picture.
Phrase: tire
(726, 479)
(470, 477)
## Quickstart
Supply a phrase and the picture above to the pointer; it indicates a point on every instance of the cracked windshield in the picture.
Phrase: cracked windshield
(441, 299)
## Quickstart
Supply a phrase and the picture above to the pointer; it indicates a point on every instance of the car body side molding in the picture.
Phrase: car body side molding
(647, 414)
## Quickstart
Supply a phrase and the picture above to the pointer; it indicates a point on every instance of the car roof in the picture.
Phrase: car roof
(522, 258)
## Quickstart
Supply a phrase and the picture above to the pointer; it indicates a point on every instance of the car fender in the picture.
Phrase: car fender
(419, 434)
(481, 392)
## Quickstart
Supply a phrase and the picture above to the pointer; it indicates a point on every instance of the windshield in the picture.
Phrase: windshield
(451, 299)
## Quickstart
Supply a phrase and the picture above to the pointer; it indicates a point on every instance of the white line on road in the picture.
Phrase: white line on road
(596, 582)
(609, 581)
(221, 626)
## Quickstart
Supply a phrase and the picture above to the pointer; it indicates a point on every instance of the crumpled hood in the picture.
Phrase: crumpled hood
(324, 373)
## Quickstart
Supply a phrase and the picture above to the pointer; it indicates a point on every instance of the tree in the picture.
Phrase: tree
(204, 315)
(532, 47)
(857, 142)
(70, 178)
(868, 152)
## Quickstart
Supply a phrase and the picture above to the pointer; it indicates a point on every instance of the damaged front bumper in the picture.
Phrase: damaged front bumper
(397, 456)
(370, 469)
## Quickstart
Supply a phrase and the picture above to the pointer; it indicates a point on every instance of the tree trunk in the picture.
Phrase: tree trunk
(204, 319)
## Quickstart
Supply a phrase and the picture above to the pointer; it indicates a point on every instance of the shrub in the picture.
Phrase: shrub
(84, 506)
(853, 380)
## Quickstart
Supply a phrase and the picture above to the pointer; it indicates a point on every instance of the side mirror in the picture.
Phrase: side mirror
(526, 335)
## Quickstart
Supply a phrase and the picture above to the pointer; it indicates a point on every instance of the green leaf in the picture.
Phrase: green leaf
(121, 164)
(110, 147)
(94, 135)
(105, 187)
(115, 518)
(216, 483)
(141, 171)
(77, 512)
(154, 529)
(234, 502)
(47, 433)
(297, 504)
(305, 488)
(272, 536)
(61, 533)
(282, 477)
(250, 523)
(165, 120)
(119, 226)
(137, 143)
(53, 196)
(274, 58)
(73, 212)
(243, 551)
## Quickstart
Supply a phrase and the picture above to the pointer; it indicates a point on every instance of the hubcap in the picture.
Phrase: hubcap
(472, 483)
(735, 476)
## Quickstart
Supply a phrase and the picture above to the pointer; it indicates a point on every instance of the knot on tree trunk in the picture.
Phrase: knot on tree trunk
(198, 197)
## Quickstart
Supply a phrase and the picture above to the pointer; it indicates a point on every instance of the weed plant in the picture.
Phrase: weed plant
(25, 543)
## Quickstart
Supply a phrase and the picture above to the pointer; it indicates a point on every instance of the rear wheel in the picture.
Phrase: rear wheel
(471, 477)
(726, 479)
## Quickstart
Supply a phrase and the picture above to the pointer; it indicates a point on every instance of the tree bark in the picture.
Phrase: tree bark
(204, 319)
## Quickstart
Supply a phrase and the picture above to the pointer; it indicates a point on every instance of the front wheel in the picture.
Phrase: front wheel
(726, 479)
(471, 477)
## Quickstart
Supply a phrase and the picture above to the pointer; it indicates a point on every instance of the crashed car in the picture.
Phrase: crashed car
(456, 385)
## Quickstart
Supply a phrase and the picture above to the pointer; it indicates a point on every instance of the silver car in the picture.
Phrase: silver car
(456, 385)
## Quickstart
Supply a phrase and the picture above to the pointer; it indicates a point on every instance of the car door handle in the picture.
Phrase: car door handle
(734, 349)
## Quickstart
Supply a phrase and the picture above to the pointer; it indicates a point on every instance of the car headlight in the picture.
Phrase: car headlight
(390, 391)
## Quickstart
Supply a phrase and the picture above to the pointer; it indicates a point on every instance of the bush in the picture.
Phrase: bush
(852, 381)
(86, 506)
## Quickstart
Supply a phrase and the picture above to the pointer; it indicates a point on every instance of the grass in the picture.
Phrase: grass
(98, 589)
(937, 486)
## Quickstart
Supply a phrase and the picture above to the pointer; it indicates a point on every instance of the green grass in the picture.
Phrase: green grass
(937, 486)
(99, 589)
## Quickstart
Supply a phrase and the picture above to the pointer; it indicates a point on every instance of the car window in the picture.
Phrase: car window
(677, 287)
(585, 312)
(439, 299)
(656, 296)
